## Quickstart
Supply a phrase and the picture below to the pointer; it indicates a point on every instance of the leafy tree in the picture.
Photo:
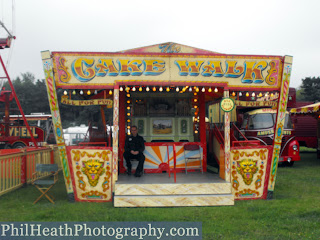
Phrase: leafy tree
(31, 94)
(310, 89)
(299, 96)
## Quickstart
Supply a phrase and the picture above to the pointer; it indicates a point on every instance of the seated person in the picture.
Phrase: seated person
(133, 149)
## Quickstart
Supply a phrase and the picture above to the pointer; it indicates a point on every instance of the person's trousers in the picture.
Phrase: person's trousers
(139, 157)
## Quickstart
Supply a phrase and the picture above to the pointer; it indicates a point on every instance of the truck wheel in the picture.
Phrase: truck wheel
(19, 145)
(7, 146)
(290, 164)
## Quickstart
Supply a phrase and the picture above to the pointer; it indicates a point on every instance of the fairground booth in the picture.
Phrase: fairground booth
(171, 93)
(310, 110)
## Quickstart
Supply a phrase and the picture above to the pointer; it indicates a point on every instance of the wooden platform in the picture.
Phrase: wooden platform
(158, 190)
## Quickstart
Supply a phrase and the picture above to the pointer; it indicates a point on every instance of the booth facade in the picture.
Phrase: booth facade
(164, 90)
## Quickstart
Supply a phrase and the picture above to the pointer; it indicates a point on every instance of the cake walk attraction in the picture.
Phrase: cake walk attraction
(174, 94)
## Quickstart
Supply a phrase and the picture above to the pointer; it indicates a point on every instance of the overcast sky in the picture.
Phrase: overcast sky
(274, 27)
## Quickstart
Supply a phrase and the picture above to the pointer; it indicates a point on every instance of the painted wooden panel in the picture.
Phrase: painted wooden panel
(157, 155)
(85, 69)
(92, 173)
(249, 172)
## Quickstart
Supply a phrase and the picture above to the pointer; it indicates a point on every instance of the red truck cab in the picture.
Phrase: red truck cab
(259, 125)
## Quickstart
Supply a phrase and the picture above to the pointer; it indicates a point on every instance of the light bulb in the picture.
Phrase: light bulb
(74, 92)
(65, 92)
(147, 89)
(203, 89)
(81, 92)
(154, 89)
(240, 94)
(190, 89)
(89, 92)
(253, 94)
(233, 94)
(209, 90)
(121, 89)
(160, 89)
(177, 89)
(140, 89)
(134, 88)
(168, 89)
(95, 91)
(247, 94)
(216, 90)
(110, 92)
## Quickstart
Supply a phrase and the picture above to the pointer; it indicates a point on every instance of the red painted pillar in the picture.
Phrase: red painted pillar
(202, 126)
(52, 155)
(24, 168)
(122, 125)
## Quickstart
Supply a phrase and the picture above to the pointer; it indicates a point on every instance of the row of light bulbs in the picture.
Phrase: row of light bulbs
(88, 92)
(168, 90)
(140, 89)
(252, 94)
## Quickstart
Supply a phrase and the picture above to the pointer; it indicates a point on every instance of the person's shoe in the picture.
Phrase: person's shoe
(137, 174)
(129, 172)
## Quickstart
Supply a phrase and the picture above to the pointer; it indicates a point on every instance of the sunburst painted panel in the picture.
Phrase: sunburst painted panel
(157, 155)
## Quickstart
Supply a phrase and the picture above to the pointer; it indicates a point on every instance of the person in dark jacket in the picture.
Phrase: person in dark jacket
(133, 149)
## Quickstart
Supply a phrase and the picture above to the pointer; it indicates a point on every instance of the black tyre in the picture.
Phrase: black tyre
(7, 146)
(19, 145)
(290, 164)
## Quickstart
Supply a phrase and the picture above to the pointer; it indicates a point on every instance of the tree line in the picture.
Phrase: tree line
(32, 95)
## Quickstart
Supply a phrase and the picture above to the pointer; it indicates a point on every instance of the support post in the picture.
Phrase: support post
(227, 141)
(24, 168)
(122, 132)
(55, 112)
(281, 115)
(115, 148)
(202, 123)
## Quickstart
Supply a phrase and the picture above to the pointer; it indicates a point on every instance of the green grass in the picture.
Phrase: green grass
(305, 149)
(294, 213)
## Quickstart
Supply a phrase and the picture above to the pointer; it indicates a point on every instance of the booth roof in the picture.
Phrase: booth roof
(168, 47)
(312, 108)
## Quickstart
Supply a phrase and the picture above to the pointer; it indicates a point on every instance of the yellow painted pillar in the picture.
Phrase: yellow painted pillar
(56, 120)
(282, 107)
(227, 141)
(115, 147)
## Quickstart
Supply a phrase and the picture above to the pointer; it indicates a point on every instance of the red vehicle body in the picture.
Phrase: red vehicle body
(13, 133)
(259, 125)
(19, 136)
(305, 126)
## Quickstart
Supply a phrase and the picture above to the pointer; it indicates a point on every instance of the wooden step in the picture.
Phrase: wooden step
(158, 190)
(172, 189)
(174, 200)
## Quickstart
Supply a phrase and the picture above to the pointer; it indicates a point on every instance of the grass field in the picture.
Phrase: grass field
(294, 213)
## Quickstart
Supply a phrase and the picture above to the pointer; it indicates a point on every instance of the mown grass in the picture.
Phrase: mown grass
(294, 213)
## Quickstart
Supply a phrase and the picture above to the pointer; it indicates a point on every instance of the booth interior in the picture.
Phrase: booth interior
(173, 120)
